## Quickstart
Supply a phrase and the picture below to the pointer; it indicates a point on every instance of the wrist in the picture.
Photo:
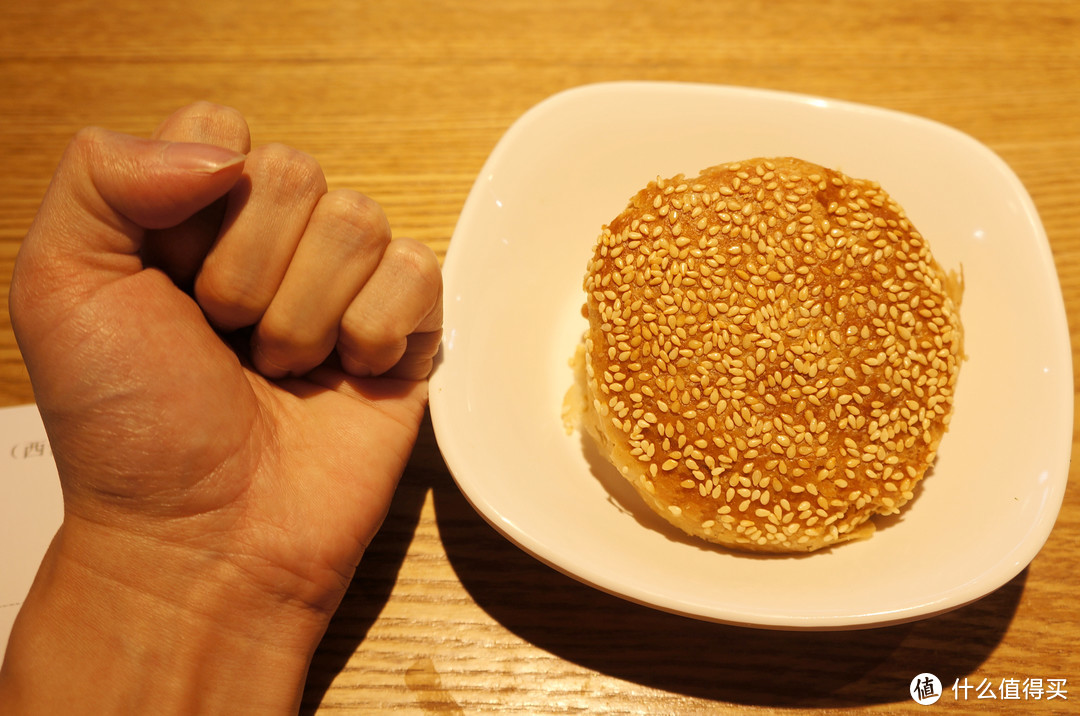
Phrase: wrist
(163, 629)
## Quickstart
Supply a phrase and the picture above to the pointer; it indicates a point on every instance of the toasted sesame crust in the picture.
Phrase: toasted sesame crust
(771, 355)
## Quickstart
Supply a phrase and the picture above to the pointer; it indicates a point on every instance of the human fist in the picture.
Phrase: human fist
(230, 363)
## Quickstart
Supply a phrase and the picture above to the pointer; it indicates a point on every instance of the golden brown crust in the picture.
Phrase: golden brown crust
(772, 353)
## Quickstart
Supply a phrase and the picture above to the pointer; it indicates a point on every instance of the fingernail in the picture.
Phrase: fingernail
(200, 158)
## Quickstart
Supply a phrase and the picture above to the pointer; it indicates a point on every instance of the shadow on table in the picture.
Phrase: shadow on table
(642, 645)
(374, 579)
(706, 660)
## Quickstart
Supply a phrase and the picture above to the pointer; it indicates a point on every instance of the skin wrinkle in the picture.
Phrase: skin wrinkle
(236, 291)
(352, 235)
(233, 503)
(370, 322)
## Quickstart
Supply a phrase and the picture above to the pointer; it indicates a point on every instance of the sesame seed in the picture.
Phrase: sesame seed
(756, 323)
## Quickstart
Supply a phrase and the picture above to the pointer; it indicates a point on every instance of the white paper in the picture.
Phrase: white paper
(31, 507)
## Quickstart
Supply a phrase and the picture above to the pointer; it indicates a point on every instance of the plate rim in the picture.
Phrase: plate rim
(1022, 552)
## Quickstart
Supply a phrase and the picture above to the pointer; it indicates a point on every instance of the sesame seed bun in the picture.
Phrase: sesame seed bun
(771, 356)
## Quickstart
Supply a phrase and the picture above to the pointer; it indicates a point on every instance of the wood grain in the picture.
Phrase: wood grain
(404, 102)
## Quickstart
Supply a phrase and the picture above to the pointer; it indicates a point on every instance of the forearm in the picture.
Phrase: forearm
(123, 635)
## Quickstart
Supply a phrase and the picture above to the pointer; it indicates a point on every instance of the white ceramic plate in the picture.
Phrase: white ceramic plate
(513, 276)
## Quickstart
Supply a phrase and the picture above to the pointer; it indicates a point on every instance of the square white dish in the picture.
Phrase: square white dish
(513, 280)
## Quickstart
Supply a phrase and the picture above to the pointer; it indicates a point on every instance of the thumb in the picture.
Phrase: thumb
(108, 189)
(80, 300)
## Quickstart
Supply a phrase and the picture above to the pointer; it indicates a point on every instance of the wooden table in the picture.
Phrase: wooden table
(404, 101)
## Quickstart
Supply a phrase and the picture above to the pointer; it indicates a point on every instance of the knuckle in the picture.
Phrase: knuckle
(376, 358)
(361, 216)
(420, 262)
(294, 171)
(374, 334)
(290, 345)
(228, 297)
(378, 332)
(204, 121)
(86, 142)
(413, 367)
(208, 112)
